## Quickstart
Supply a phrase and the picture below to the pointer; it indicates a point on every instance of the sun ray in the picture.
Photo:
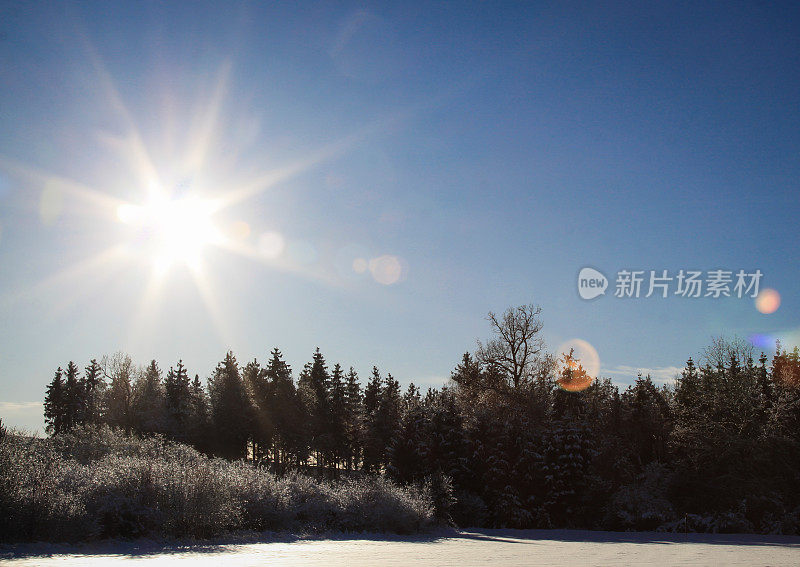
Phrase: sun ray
(277, 264)
(148, 303)
(202, 140)
(106, 263)
(266, 180)
(70, 186)
(202, 282)
(143, 164)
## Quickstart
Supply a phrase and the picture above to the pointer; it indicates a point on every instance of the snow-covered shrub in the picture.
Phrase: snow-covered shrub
(71, 488)
(469, 510)
(642, 505)
(375, 501)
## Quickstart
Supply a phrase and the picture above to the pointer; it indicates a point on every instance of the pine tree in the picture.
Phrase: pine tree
(407, 450)
(387, 420)
(373, 447)
(94, 391)
(338, 416)
(258, 388)
(177, 401)
(54, 405)
(198, 427)
(119, 397)
(230, 410)
(290, 442)
(148, 406)
(314, 387)
(74, 400)
(353, 419)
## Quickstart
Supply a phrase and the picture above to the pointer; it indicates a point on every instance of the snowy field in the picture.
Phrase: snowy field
(473, 547)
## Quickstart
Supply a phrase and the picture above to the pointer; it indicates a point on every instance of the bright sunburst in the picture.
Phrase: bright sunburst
(172, 230)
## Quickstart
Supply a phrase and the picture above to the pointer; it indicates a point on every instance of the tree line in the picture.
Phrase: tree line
(517, 438)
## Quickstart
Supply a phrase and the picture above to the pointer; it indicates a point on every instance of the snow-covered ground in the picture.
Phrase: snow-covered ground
(471, 547)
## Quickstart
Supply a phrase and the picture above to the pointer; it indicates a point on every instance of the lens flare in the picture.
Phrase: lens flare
(767, 301)
(360, 265)
(240, 230)
(386, 270)
(760, 340)
(271, 244)
(585, 356)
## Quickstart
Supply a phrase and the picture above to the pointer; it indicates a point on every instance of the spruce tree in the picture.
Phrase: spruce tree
(177, 401)
(148, 406)
(258, 388)
(230, 410)
(290, 442)
(54, 403)
(119, 397)
(373, 448)
(94, 391)
(73, 398)
(314, 386)
(198, 428)
(353, 419)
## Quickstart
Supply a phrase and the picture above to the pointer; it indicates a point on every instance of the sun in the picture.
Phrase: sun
(172, 230)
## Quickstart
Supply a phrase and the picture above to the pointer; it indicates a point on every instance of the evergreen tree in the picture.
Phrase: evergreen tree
(148, 406)
(230, 410)
(94, 386)
(290, 443)
(407, 450)
(314, 386)
(119, 397)
(73, 398)
(387, 419)
(177, 402)
(353, 419)
(198, 427)
(54, 405)
(373, 447)
(338, 416)
(259, 390)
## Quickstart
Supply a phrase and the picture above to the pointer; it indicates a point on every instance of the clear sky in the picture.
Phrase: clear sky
(178, 179)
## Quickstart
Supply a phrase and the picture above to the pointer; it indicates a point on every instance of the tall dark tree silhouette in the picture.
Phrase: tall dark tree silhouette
(177, 401)
(290, 443)
(54, 403)
(230, 409)
(73, 398)
(260, 392)
(314, 386)
(148, 406)
(198, 425)
(353, 419)
(119, 398)
(95, 387)
(373, 446)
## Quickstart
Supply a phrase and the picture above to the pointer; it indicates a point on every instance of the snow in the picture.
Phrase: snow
(464, 548)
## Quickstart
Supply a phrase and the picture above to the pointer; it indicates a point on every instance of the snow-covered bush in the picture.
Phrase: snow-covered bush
(642, 505)
(103, 484)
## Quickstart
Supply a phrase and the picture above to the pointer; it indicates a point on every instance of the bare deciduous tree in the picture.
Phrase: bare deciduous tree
(515, 350)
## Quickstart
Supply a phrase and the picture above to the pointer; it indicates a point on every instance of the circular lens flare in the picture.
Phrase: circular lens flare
(578, 370)
(386, 270)
(767, 301)
(360, 265)
(271, 244)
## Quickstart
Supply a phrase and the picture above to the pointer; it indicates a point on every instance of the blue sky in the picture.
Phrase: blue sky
(479, 153)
